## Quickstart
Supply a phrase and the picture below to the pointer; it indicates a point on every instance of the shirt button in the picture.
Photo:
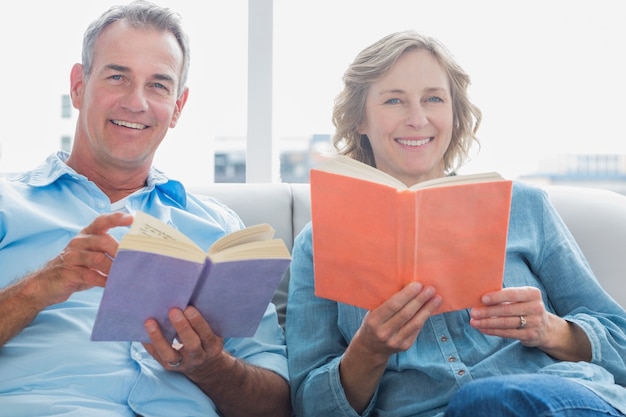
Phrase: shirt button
(444, 339)
(451, 359)
(461, 372)
(137, 356)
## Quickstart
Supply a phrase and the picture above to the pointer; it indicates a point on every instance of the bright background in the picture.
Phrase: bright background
(548, 75)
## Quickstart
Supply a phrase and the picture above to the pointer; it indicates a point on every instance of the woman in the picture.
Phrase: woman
(540, 346)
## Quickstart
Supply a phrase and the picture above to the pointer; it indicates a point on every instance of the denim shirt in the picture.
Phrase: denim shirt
(52, 368)
(448, 352)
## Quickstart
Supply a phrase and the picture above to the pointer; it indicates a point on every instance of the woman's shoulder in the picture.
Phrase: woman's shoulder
(306, 234)
(522, 187)
(528, 192)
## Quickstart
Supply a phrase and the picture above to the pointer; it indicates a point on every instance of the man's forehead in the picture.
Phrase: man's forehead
(125, 47)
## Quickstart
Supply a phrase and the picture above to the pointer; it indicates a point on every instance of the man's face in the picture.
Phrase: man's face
(130, 99)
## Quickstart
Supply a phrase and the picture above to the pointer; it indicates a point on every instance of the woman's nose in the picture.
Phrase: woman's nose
(416, 116)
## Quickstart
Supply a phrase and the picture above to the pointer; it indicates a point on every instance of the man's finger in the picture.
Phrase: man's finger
(107, 221)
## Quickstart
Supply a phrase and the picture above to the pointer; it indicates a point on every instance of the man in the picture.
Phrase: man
(59, 228)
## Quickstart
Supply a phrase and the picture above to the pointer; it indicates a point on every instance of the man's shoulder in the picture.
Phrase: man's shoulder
(45, 173)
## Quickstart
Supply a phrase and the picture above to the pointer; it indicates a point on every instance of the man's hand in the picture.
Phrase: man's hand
(236, 387)
(85, 262)
(198, 347)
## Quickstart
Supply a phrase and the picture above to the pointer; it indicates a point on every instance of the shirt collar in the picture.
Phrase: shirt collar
(54, 168)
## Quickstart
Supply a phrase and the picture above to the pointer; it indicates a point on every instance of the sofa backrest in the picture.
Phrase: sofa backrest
(287, 207)
(596, 218)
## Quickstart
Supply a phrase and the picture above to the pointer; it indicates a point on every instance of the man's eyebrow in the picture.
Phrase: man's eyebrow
(163, 77)
(116, 67)
(124, 69)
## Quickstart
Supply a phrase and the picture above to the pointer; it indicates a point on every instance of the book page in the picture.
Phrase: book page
(263, 249)
(343, 165)
(166, 247)
(150, 234)
(458, 180)
(254, 233)
(146, 225)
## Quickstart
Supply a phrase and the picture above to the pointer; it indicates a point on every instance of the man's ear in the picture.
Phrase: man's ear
(180, 103)
(77, 85)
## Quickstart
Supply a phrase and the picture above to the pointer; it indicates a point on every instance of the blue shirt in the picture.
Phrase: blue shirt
(52, 368)
(448, 352)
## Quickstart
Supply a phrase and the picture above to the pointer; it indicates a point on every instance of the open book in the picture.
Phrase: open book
(372, 234)
(157, 268)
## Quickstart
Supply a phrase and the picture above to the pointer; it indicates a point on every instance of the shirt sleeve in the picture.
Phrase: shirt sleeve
(266, 349)
(315, 342)
(572, 290)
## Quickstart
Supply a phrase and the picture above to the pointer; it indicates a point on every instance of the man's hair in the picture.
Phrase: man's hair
(140, 14)
(373, 63)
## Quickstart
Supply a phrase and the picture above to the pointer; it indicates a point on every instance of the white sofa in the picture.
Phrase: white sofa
(596, 218)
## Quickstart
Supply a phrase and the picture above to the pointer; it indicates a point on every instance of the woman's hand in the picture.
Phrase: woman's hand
(516, 313)
(395, 324)
(388, 329)
(519, 313)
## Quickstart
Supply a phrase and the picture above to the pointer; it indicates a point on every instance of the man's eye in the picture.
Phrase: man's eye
(162, 88)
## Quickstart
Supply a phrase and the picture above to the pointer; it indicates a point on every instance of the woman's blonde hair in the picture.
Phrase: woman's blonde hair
(373, 63)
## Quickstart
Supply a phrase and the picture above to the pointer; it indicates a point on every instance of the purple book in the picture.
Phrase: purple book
(231, 294)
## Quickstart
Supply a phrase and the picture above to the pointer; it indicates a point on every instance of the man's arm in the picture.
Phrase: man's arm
(83, 264)
(236, 387)
(19, 305)
(241, 389)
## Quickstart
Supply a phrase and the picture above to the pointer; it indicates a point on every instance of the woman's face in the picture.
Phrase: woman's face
(408, 118)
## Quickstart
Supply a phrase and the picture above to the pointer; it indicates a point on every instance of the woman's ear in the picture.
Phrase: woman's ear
(361, 128)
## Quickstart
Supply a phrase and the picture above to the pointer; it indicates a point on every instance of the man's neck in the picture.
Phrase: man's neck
(115, 183)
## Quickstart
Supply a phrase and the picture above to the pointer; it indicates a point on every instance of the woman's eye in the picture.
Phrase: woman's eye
(393, 101)
(434, 99)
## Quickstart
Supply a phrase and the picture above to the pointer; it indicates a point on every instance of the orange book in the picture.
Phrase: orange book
(372, 234)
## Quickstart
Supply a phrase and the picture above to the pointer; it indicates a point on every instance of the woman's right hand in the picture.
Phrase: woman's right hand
(394, 326)
(390, 328)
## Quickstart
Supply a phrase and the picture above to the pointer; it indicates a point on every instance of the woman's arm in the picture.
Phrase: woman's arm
(329, 374)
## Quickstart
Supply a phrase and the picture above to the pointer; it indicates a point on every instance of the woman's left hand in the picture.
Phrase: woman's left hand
(517, 313)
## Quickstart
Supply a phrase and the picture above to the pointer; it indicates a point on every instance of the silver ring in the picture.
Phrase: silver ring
(522, 323)
(177, 363)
